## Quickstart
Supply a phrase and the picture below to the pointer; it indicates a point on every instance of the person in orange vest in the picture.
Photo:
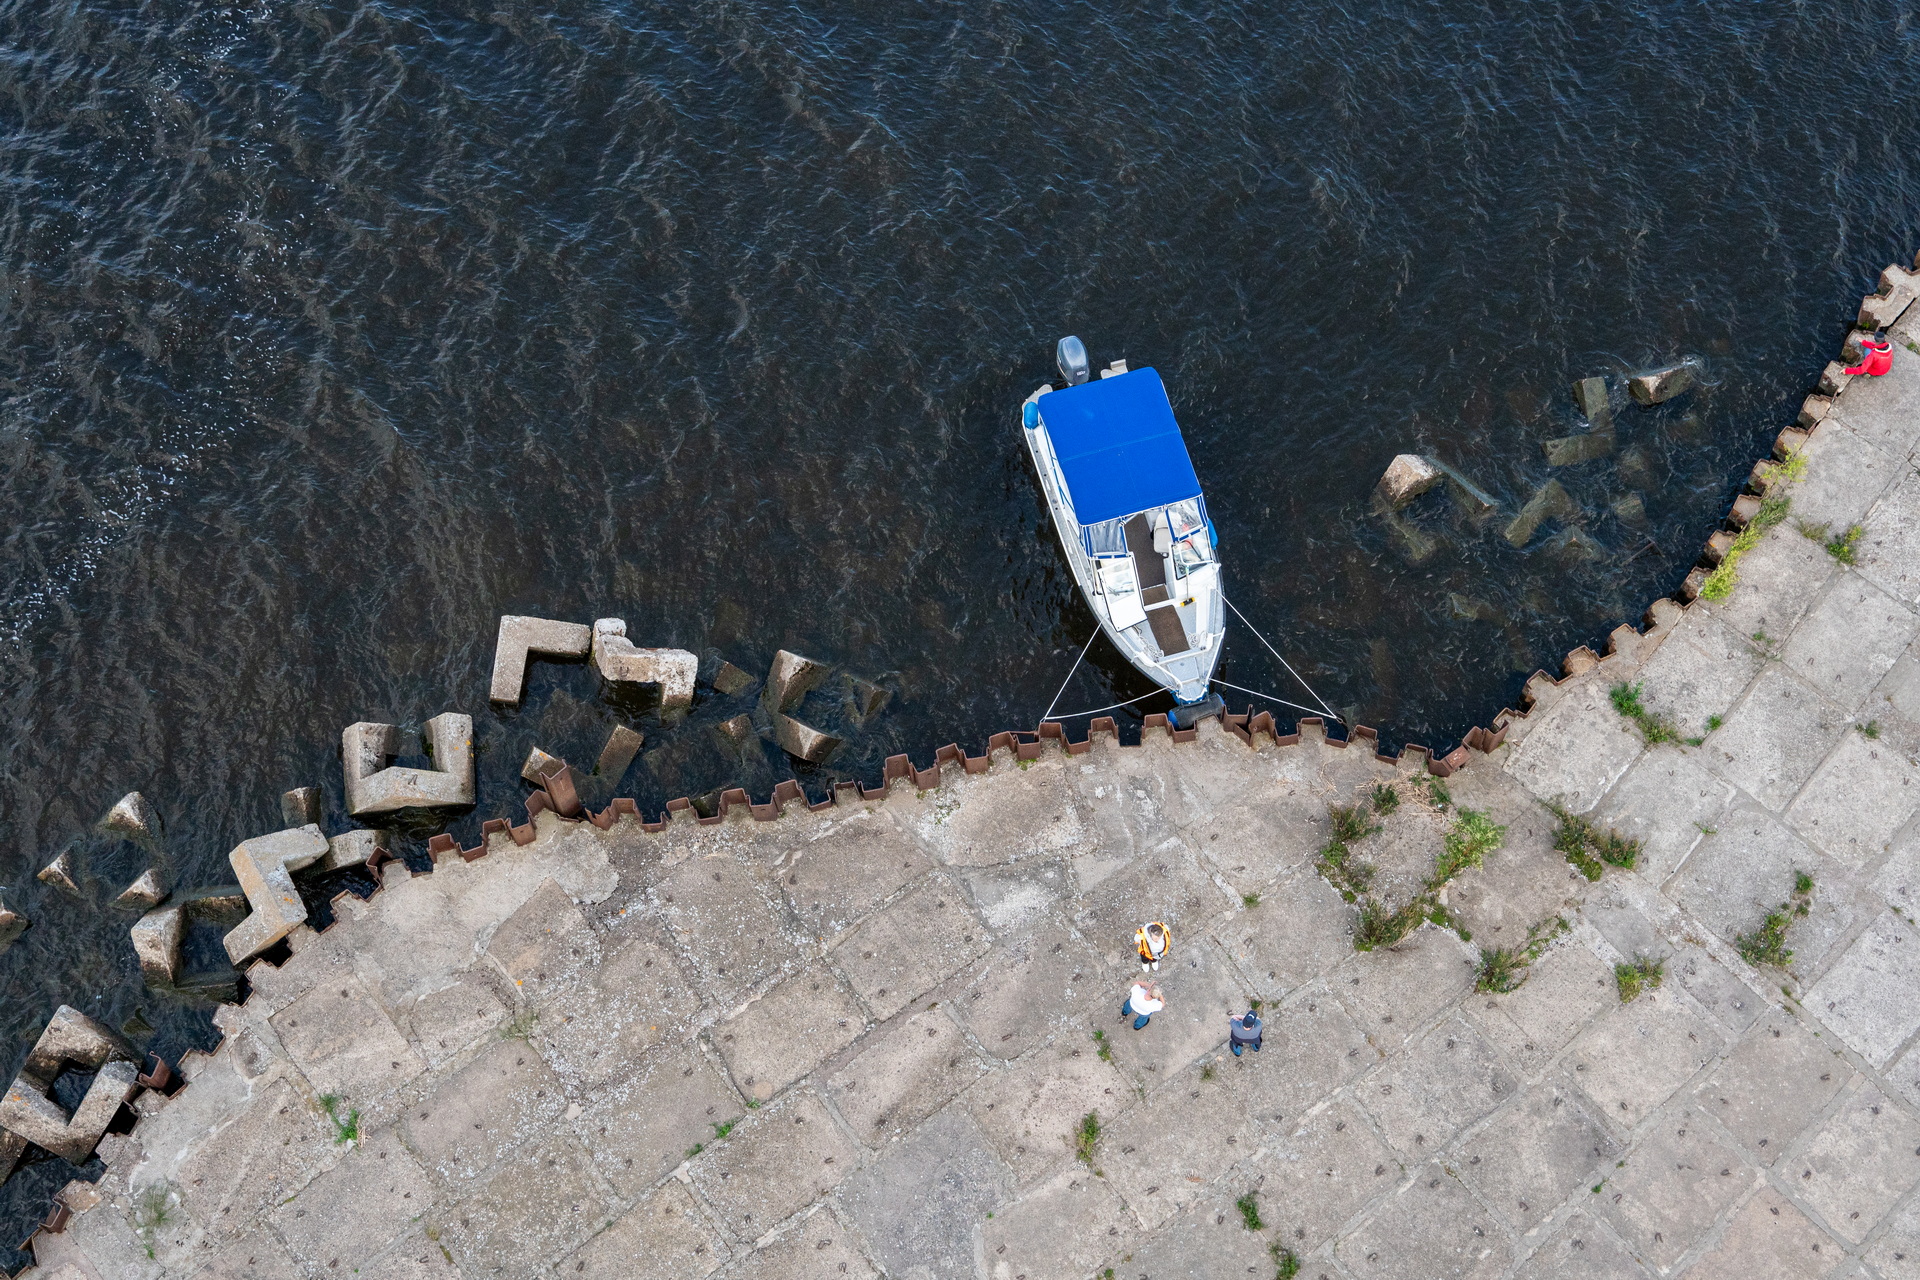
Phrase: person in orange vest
(1876, 356)
(1152, 941)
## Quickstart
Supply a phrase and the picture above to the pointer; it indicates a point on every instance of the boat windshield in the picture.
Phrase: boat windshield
(1109, 537)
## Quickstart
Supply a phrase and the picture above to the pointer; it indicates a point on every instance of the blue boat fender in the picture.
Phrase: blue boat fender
(1030, 415)
(1213, 535)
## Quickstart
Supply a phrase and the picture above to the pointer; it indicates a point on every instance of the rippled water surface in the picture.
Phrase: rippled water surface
(333, 333)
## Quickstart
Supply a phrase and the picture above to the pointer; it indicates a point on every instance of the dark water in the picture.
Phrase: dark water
(332, 333)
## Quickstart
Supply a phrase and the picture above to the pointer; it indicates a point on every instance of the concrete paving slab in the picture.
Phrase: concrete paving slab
(919, 1204)
(539, 1204)
(473, 1118)
(1896, 1254)
(379, 1188)
(1889, 551)
(1525, 883)
(639, 1127)
(1019, 896)
(1534, 1154)
(1769, 1237)
(819, 1245)
(1129, 806)
(1846, 473)
(1395, 994)
(1030, 1110)
(1250, 845)
(1776, 1081)
(1437, 1086)
(261, 1156)
(785, 1034)
(1321, 1171)
(1897, 882)
(1849, 639)
(1746, 868)
(1860, 797)
(1311, 1047)
(1003, 816)
(1433, 1227)
(1202, 990)
(347, 1046)
(1581, 1247)
(1715, 987)
(1300, 931)
(1209, 1239)
(1634, 1057)
(637, 998)
(1778, 579)
(1674, 1186)
(1775, 739)
(546, 944)
(666, 1233)
(732, 937)
(1697, 673)
(1070, 1225)
(779, 1160)
(1161, 1155)
(1904, 1076)
(1565, 989)
(1667, 801)
(1867, 996)
(1898, 691)
(1028, 989)
(848, 869)
(440, 1024)
(1863, 1160)
(1575, 750)
(901, 953)
(904, 1076)
(258, 1255)
(1169, 885)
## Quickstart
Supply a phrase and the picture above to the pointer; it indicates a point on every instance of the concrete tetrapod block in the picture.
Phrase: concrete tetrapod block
(300, 806)
(71, 1038)
(133, 818)
(12, 925)
(1407, 477)
(145, 893)
(1656, 385)
(623, 744)
(265, 867)
(158, 934)
(356, 848)
(790, 679)
(802, 740)
(619, 661)
(372, 787)
(1591, 395)
(1551, 500)
(59, 873)
(520, 637)
(28, 1112)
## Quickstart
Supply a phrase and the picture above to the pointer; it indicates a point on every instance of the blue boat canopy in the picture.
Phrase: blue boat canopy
(1119, 446)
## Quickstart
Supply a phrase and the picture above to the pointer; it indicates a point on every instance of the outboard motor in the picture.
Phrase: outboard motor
(1071, 356)
(1185, 717)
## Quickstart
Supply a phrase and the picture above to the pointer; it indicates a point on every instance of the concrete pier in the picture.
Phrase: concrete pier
(882, 1038)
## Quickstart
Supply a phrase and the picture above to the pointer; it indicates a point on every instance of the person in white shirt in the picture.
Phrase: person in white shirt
(1143, 1001)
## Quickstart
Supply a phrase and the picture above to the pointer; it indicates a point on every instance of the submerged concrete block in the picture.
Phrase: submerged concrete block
(1585, 447)
(802, 740)
(1474, 500)
(730, 680)
(1656, 385)
(28, 1112)
(791, 678)
(520, 637)
(365, 749)
(145, 893)
(12, 925)
(265, 867)
(619, 661)
(623, 744)
(12, 1147)
(1407, 477)
(300, 807)
(60, 873)
(866, 698)
(734, 735)
(133, 818)
(1550, 501)
(1590, 394)
(538, 765)
(1898, 289)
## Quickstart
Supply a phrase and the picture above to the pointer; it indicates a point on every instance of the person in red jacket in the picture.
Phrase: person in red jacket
(1876, 356)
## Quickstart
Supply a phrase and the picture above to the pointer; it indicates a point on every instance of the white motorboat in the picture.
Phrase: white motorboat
(1132, 519)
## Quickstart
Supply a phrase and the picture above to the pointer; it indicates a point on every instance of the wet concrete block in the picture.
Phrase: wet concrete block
(733, 938)
(1769, 1237)
(865, 699)
(1775, 738)
(147, 891)
(1588, 446)
(1534, 1154)
(1657, 385)
(373, 787)
(1070, 1226)
(1590, 397)
(1549, 502)
(790, 679)
(1433, 1227)
(264, 867)
(899, 954)
(28, 1111)
(1028, 989)
(847, 870)
(521, 637)
(948, 1174)
(1778, 1078)
(905, 1076)
(1866, 998)
(1324, 1169)
(1407, 477)
(13, 923)
(1443, 1082)
(541, 1204)
(301, 807)
(786, 1033)
(62, 873)
(1857, 800)
(132, 817)
(641, 1124)
(353, 1211)
(820, 1244)
(472, 1119)
(665, 1234)
(620, 662)
(1636, 1056)
(1030, 1109)
(1564, 990)
(639, 997)
(779, 1160)
(730, 680)
(623, 744)
(802, 741)
(347, 1046)
(1312, 1046)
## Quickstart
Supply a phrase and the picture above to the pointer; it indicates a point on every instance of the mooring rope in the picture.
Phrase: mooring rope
(1068, 715)
(1283, 662)
(1070, 670)
(1282, 701)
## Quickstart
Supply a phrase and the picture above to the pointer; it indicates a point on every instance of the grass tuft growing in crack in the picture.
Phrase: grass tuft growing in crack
(1504, 970)
(347, 1130)
(1249, 1212)
(1719, 583)
(1653, 728)
(1085, 1137)
(1348, 874)
(1285, 1264)
(1385, 799)
(1473, 837)
(1378, 927)
(1642, 973)
(1767, 945)
(1590, 849)
(1844, 547)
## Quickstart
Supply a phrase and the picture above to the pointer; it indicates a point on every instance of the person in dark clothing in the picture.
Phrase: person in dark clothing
(1242, 1032)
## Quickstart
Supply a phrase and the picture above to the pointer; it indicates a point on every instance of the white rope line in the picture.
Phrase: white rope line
(1283, 662)
(1097, 710)
(1070, 670)
(1282, 701)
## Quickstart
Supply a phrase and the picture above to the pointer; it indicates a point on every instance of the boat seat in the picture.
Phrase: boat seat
(1168, 632)
(1147, 563)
